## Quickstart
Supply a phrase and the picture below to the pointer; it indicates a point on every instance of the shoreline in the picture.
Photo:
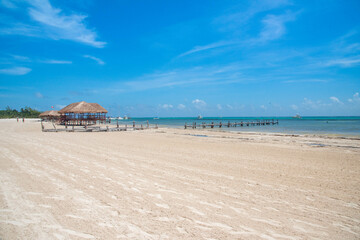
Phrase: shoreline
(355, 136)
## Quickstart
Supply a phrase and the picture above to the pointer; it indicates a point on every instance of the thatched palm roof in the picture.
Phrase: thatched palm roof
(83, 107)
(51, 113)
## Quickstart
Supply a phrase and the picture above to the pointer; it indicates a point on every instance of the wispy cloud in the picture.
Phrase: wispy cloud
(233, 20)
(206, 47)
(185, 77)
(52, 61)
(344, 62)
(274, 26)
(306, 80)
(15, 71)
(20, 58)
(98, 60)
(51, 22)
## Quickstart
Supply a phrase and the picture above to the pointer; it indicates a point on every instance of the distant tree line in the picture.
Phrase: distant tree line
(26, 112)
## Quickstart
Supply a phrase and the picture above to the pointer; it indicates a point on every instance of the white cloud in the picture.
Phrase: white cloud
(335, 100)
(294, 107)
(199, 103)
(263, 107)
(181, 106)
(57, 62)
(98, 60)
(309, 104)
(51, 22)
(355, 98)
(167, 106)
(39, 95)
(15, 71)
(219, 106)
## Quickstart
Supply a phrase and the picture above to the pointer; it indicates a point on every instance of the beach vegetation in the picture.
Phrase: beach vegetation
(26, 112)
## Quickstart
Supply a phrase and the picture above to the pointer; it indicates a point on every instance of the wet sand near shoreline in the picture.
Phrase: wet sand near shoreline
(176, 184)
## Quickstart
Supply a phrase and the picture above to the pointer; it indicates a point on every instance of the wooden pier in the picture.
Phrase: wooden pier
(228, 124)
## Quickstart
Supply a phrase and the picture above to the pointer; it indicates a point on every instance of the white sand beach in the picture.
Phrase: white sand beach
(176, 184)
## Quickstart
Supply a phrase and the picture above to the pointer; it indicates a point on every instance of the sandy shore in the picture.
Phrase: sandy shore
(176, 184)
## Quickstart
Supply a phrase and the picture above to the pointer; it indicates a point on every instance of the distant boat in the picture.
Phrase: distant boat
(126, 117)
(156, 118)
(119, 118)
(297, 116)
(199, 117)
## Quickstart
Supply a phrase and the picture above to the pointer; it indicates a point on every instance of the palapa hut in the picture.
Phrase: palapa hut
(50, 115)
(82, 114)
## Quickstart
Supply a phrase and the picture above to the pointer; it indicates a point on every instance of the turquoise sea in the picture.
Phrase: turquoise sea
(305, 125)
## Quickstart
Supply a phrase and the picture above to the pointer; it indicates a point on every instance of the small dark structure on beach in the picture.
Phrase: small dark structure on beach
(50, 115)
(82, 114)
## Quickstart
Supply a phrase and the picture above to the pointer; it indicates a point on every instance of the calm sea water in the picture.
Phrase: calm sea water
(305, 125)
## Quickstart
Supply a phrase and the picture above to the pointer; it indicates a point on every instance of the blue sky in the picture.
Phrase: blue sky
(182, 58)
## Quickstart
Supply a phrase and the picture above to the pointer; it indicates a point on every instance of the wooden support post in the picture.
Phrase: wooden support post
(134, 124)
(125, 127)
(185, 126)
(220, 125)
(228, 125)
(42, 125)
(147, 124)
(212, 124)
(117, 123)
(156, 126)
